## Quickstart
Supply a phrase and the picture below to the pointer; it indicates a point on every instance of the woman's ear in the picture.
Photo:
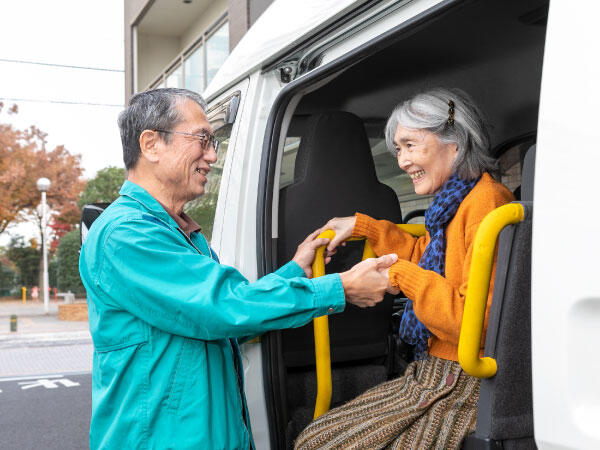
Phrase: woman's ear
(149, 142)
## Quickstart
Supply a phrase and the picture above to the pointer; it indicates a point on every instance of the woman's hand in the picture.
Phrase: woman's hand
(342, 226)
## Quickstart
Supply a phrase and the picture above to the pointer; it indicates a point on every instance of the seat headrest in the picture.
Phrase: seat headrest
(335, 142)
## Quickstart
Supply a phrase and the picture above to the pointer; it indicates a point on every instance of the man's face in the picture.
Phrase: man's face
(184, 165)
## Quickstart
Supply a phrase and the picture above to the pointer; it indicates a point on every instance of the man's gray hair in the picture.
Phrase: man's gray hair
(430, 111)
(151, 110)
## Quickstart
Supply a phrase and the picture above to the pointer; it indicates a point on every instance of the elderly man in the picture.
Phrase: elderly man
(165, 315)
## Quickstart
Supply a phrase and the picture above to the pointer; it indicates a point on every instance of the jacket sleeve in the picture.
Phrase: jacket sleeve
(385, 237)
(151, 273)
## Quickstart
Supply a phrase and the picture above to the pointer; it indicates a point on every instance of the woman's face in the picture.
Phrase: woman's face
(424, 158)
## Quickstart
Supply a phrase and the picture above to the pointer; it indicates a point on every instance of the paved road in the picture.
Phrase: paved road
(50, 412)
(45, 381)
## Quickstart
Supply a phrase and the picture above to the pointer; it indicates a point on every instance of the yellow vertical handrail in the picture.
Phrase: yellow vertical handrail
(322, 348)
(321, 324)
(480, 273)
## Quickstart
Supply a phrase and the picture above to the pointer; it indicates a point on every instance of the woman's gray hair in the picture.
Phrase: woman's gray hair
(151, 110)
(430, 111)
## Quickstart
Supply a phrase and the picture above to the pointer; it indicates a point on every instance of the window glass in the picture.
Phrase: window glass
(204, 208)
(388, 172)
(194, 70)
(288, 161)
(174, 78)
(510, 167)
(217, 49)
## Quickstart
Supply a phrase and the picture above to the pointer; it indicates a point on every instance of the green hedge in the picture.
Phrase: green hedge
(67, 261)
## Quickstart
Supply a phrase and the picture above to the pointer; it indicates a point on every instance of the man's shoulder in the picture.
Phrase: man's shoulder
(123, 217)
(118, 212)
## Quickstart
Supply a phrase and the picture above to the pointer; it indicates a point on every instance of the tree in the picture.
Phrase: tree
(104, 187)
(25, 258)
(8, 274)
(23, 159)
(68, 263)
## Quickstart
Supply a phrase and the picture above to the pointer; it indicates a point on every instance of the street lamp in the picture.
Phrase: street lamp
(43, 184)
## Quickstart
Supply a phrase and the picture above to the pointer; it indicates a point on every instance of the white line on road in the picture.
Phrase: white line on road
(48, 384)
(37, 377)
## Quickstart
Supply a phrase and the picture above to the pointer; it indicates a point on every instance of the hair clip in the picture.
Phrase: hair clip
(450, 121)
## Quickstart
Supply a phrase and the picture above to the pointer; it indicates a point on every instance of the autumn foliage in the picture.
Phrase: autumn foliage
(23, 159)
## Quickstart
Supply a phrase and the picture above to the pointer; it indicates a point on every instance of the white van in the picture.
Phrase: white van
(300, 106)
(304, 98)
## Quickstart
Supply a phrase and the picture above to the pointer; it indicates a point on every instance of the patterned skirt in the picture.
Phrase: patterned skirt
(432, 406)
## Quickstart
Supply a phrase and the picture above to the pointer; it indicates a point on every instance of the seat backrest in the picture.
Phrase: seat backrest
(505, 409)
(334, 176)
(528, 174)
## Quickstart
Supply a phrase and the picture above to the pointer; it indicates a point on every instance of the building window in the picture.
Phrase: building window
(194, 70)
(198, 64)
(217, 49)
(173, 80)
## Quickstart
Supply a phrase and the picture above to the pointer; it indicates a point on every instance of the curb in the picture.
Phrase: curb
(45, 339)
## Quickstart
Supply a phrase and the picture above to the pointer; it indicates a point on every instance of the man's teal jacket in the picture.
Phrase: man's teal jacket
(165, 317)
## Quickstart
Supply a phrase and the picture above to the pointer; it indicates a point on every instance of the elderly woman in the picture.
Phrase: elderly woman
(440, 140)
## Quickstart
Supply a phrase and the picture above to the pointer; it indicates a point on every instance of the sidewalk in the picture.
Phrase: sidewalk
(31, 308)
(42, 344)
(33, 324)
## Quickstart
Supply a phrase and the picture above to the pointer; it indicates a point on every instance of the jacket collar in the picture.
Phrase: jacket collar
(141, 195)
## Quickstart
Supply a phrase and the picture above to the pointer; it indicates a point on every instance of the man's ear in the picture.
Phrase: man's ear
(149, 141)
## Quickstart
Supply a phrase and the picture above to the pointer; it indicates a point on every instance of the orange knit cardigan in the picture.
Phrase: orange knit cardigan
(438, 301)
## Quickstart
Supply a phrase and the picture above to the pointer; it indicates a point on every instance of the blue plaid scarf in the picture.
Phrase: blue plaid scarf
(440, 212)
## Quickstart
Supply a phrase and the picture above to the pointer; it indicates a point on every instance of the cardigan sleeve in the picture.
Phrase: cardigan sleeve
(385, 237)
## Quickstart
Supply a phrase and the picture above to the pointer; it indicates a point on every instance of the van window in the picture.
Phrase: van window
(288, 161)
(510, 167)
(203, 209)
(390, 174)
(386, 168)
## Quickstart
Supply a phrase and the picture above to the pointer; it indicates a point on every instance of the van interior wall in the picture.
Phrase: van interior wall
(492, 50)
(489, 49)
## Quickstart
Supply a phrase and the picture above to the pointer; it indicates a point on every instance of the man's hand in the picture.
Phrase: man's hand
(306, 252)
(368, 281)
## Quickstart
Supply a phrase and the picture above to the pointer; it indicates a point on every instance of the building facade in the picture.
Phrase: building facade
(182, 43)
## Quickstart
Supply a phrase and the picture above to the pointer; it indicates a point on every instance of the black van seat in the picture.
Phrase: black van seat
(334, 176)
(505, 408)
(335, 151)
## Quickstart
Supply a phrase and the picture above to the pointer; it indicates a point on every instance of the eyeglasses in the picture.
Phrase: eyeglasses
(204, 138)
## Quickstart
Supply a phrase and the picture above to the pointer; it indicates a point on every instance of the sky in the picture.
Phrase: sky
(79, 33)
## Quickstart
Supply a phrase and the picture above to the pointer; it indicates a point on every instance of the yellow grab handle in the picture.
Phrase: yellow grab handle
(321, 324)
(480, 274)
(322, 351)
(323, 361)
(416, 229)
